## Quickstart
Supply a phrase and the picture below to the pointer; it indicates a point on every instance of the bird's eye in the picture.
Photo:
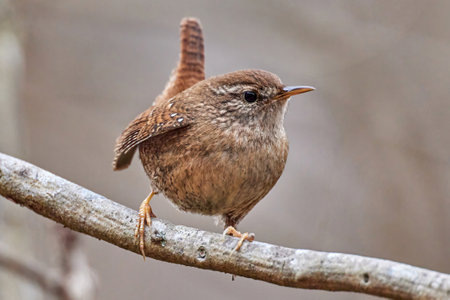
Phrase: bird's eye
(250, 96)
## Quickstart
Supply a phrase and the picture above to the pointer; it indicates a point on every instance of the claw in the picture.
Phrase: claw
(145, 216)
(230, 230)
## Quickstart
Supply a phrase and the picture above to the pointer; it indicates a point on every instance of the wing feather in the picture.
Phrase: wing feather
(152, 122)
(159, 118)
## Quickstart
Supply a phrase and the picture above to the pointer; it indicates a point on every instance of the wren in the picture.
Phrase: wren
(212, 146)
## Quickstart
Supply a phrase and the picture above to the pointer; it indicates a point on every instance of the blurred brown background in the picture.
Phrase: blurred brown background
(369, 164)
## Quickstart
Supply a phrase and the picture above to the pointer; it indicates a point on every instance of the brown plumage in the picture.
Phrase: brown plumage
(190, 70)
(191, 66)
(214, 146)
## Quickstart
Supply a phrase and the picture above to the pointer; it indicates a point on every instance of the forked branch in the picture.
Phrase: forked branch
(92, 214)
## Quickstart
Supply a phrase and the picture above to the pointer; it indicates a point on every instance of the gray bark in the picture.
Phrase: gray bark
(92, 214)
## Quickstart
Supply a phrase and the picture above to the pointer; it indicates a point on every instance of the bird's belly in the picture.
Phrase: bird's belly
(213, 180)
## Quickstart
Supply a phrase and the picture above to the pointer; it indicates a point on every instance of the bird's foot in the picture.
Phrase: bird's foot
(230, 230)
(145, 217)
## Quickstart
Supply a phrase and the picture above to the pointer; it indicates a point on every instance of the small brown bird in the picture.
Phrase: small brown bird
(214, 146)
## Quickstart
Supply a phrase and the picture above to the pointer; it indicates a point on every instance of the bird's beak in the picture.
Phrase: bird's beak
(289, 91)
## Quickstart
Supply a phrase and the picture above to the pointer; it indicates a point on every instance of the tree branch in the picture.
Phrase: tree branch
(75, 281)
(92, 214)
(48, 280)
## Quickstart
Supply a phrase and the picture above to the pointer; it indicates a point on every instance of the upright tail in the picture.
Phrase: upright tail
(191, 65)
(189, 71)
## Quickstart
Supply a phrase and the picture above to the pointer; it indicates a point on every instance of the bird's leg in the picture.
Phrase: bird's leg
(230, 230)
(145, 216)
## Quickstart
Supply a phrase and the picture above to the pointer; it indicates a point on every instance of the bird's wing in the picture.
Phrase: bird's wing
(155, 121)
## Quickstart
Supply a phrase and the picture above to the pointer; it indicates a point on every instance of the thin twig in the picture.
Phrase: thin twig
(93, 214)
(48, 280)
(79, 279)
(75, 280)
